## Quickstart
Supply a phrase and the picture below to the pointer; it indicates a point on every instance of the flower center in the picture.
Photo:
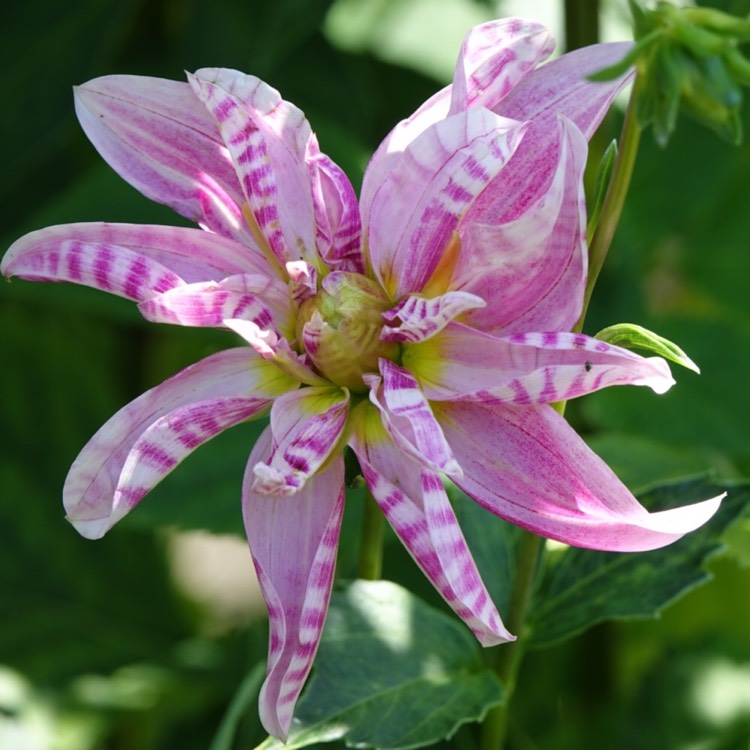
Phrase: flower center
(340, 326)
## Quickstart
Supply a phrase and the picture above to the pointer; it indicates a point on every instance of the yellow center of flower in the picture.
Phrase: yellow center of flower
(339, 328)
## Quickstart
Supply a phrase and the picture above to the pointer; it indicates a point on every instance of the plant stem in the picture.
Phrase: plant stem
(614, 201)
(581, 23)
(371, 544)
(508, 656)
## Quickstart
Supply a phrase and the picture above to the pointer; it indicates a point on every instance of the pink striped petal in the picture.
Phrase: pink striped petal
(495, 57)
(462, 363)
(276, 349)
(417, 208)
(267, 139)
(337, 221)
(146, 439)
(130, 260)
(537, 253)
(307, 426)
(205, 304)
(414, 502)
(407, 416)
(527, 465)
(156, 135)
(293, 541)
(416, 319)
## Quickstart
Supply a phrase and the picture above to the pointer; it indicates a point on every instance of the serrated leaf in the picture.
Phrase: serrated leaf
(391, 672)
(631, 336)
(586, 587)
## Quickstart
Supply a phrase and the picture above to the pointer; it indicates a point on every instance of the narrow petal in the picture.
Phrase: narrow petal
(339, 228)
(293, 541)
(528, 466)
(307, 426)
(416, 318)
(130, 260)
(156, 135)
(413, 500)
(267, 139)
(462, 363)
(208, 304)
(495, 57)
(407, 416)
(531, 244)
(418, 207)
(146, 439)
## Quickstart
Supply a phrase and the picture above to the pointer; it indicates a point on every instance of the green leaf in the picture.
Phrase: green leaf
(391, 672)
(603, 178)
(631, 336)
(586, 587)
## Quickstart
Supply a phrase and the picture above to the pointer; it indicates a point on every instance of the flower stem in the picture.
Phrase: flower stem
(508, 656)
(371, 545)
(614, 201)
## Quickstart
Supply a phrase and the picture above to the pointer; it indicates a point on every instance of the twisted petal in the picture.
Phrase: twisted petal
(146, 439)
(417, 208)
(494, 58)
(528, 466)
(307, 426)
(415, 504)
(537, 256)
(416, 319)
(131, 260)
(337, 221)
(293, 541)
(267, 139)
(408, 418)
(462, 363)
(156, 135)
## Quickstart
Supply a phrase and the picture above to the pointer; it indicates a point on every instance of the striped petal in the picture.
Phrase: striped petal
(407, 416)
(462, 363)
(416, 318)
(307, 426)
(527, 465)
(293, 541)
(529, 244)
(134, 261)
(156, 135)
(211, 303)
(268, 140)
(146, 439)
(413, 500)
(338, 226)
(416, 210)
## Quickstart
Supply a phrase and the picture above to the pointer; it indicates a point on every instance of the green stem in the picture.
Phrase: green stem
(371, 545)
(508, 656)
(581, 23)
(614, 201)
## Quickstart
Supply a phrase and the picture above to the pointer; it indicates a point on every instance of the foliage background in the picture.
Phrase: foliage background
(98, 648)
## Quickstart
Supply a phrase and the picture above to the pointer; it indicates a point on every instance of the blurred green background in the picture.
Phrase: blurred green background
(120, 643)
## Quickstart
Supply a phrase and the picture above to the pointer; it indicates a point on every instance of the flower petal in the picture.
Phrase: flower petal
(462, 363)
(531, 244)
(528, 466)
(146, 439)
(293, 541)
(156, 135)
(414, 502)
(307, 426)
(339, 228)
(131, 260)
(417, 208)
(407, 416)
(416, 319)
(268, 139)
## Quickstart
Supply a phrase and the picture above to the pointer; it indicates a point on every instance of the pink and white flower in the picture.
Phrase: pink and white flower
(426, 326)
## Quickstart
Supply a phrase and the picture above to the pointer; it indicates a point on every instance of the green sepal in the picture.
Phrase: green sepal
(631, 336)
(601, 185)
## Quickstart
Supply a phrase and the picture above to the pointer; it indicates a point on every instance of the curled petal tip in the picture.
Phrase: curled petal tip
(270, 481)
(90, 528)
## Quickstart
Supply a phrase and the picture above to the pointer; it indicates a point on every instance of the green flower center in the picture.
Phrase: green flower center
(339, 328)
